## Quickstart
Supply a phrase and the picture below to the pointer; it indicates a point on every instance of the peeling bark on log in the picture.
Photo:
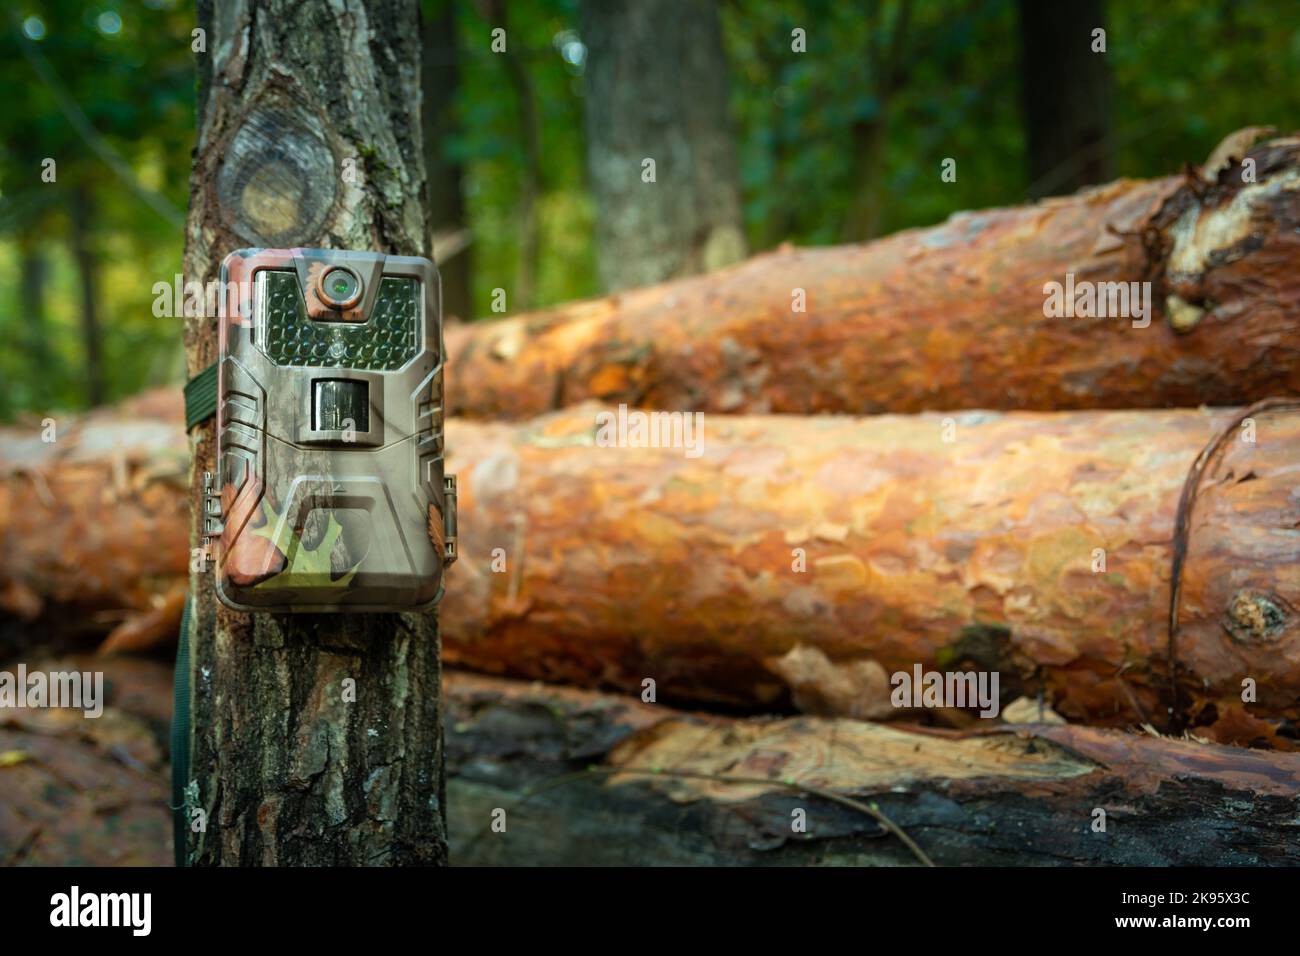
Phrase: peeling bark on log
(288, 772)
(621, 564)
(943, 318)
(1017, 795)
(93, 516)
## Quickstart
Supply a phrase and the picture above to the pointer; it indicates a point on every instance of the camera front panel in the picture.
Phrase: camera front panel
(330, 473)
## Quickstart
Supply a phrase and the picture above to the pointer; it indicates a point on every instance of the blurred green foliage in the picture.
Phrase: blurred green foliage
(1184, 72)
(129, 69)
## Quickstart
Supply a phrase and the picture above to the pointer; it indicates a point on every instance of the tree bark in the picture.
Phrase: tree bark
(947, 317)
(440, 49)
(656, 89)
(1013, 795)
(287, 770)
(807, 559)
(1065, 86)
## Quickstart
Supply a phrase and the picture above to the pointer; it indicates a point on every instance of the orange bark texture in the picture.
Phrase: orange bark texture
(621, 564)
(808, 559)
(946, 317)
(94, 518)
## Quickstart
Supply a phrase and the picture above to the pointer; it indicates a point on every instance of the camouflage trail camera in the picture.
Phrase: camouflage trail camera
(330, 493)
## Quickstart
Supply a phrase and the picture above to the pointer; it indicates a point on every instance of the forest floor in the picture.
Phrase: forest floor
(82, 792)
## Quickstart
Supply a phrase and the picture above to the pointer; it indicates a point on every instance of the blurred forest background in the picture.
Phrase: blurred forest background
(838, 143)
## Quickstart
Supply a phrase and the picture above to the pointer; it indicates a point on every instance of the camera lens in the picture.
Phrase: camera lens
(340, 287)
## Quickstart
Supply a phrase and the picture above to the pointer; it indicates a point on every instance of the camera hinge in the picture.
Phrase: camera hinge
(449, 520)
(212, 523)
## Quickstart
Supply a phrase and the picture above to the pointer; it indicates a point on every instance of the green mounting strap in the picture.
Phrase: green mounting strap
(201, 397)
(200, 405)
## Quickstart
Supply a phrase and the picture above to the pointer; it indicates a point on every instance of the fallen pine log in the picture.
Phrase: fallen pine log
(519, 754)
(813, 558)
(953, 316)
(622, 564)
(94, 519)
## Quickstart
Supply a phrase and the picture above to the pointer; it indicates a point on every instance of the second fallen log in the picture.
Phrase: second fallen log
(1197, 278)
(815, 557)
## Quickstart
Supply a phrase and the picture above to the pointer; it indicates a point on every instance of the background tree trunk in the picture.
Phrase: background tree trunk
(527, 215)
(34, 269)
(1066, 92)
(440, 67)
(82, 218)
(657, 89)
(287, 771)
(885, 62)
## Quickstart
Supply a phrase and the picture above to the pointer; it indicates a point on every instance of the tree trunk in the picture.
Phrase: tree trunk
(953, 316)
(1065, 86)
(1024, 795)
(657, 90)
(811, 558)
(862, 218)
(527, 215)
(885, 60)
(82, 218)
(441, 80)
(34, 274)
(287, 771)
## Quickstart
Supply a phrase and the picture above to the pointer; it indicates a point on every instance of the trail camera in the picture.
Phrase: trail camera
(329, 493)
